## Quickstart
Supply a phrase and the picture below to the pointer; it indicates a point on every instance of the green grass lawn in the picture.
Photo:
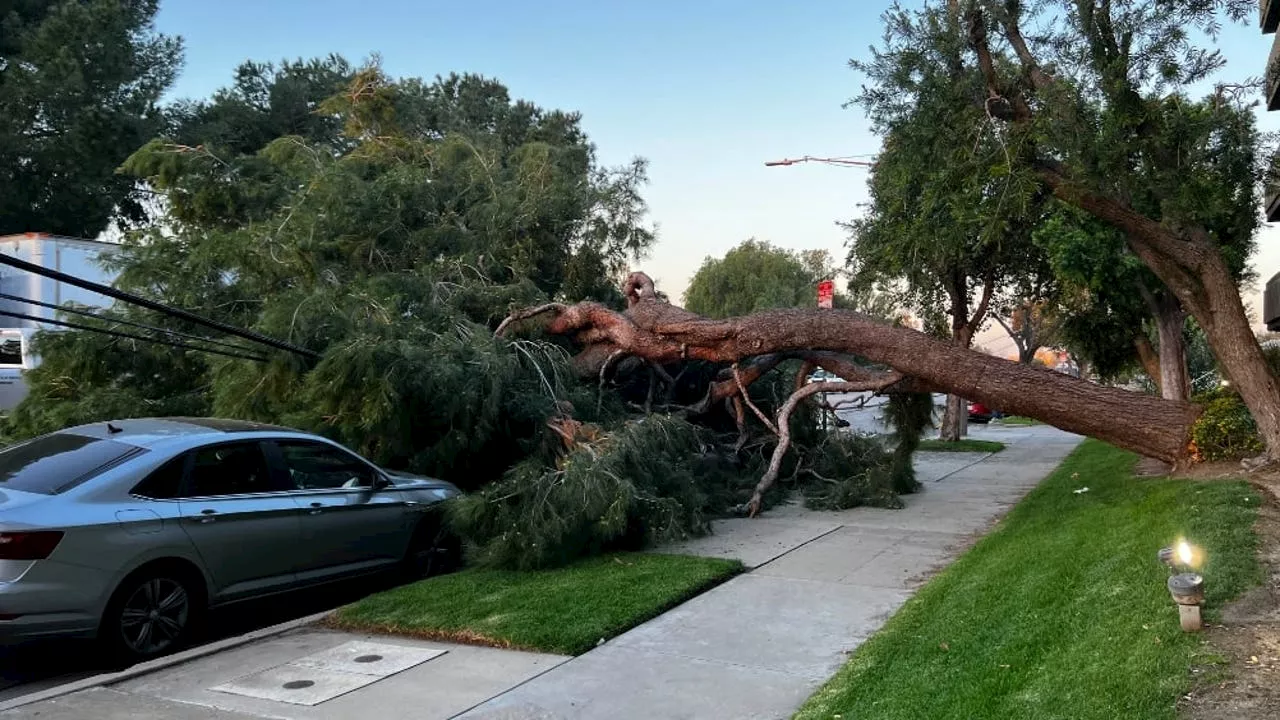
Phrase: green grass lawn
(1062, 612)
(1018, 420)
(963, 445)
(567, 610)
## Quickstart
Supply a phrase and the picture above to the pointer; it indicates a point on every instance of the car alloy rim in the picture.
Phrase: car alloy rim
(154, 615)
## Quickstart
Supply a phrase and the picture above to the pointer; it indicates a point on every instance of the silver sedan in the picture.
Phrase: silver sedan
(130, 530)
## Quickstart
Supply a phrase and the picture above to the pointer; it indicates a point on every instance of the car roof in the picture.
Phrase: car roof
(145, 432)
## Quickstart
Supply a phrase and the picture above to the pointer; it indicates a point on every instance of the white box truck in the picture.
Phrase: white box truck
(73, 256)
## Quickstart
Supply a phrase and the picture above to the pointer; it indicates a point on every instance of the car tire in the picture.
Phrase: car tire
(153, 612)
(434, 550)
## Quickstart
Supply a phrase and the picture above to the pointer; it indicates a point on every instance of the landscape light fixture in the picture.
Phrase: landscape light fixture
(1185, 587)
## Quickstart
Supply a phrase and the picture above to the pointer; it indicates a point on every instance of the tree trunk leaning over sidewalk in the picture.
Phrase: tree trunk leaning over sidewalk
(1191, 257)
(653, 330)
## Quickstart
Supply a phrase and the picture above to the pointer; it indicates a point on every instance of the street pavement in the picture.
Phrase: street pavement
(755, 647)
(35, 667)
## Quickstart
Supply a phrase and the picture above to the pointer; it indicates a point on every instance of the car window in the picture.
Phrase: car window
(233, 469)
(164, 483)
(55, 463)
(317, 466)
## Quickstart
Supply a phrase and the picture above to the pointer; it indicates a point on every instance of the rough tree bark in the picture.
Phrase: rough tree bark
(656, 331)
(1149, 358)
(1186, 260)
(1170, 320)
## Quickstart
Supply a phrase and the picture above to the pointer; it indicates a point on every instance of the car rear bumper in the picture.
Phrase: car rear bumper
(52, 599)
(47, 625)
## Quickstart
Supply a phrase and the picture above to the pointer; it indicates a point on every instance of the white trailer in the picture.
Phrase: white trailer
(73, 256)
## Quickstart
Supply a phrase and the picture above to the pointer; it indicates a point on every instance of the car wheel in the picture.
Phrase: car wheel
(152, 613)
(434, 550)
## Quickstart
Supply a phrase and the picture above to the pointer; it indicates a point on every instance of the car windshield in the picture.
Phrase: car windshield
(52, 464)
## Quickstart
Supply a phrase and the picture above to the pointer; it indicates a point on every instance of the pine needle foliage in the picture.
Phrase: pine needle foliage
(634, 486)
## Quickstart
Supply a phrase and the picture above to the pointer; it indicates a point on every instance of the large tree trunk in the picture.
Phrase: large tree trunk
(1186, 260)
(1193, 269)
(656, 331)
(1149, 358)
(955, 419)
(1170, 320)
(1175, 378)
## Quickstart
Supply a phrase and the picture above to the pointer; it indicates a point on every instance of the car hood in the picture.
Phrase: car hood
(404, 479)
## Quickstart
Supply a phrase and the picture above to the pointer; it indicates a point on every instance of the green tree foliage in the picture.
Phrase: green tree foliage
(79, 85)
(638, 484)
(755, 276)
(942, 221)
(1212, 187)
(1104, 311)
(1091, 100)
(386, 225)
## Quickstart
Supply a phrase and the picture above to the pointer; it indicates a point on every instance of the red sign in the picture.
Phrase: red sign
(826, 293)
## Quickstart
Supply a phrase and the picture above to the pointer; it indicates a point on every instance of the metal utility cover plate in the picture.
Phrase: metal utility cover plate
(326, 675)
(366, 658)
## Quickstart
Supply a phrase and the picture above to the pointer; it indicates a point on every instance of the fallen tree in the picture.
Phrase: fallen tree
(657, 332)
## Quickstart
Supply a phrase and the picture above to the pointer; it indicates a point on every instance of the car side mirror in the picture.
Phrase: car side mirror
(381, 483)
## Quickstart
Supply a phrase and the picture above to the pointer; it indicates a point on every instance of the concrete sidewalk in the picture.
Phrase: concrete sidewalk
(759, 645)
(755, 647)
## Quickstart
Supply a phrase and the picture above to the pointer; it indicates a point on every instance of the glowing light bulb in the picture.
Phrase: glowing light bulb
(1184, 552)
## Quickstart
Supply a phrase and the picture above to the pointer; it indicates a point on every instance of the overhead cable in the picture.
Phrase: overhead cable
(140, 301)
(121, 321)
(131, 336)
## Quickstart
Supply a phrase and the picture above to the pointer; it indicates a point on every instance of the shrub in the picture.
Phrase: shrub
(1225, 431)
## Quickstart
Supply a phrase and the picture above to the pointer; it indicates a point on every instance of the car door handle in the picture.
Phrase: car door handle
(316, 508)
(207, 514)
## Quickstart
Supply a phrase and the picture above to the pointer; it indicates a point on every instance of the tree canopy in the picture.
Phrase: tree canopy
(1090, 102)
(755, 276)
(80, 84)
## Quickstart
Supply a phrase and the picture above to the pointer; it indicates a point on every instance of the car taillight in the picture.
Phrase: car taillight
(34, 545)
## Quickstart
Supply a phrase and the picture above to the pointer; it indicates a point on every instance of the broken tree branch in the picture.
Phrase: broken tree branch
(784, 428)
(746, 397)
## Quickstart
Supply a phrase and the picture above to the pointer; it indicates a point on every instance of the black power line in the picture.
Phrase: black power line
(131, 336)
(120, 321)
(153, 305)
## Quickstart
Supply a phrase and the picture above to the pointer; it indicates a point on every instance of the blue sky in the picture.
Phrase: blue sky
(707, 90)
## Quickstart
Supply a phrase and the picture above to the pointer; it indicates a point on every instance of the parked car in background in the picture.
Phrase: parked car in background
(821, 375)
(981, 414)
(129, 531)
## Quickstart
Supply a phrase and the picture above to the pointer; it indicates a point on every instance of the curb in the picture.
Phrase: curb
(161, 663)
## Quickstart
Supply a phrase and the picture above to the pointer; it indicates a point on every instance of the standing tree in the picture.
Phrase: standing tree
(755, 276)
(1119, 305)
(80, 82)
(1093, 101)
(1031, 325)
(940, 219)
